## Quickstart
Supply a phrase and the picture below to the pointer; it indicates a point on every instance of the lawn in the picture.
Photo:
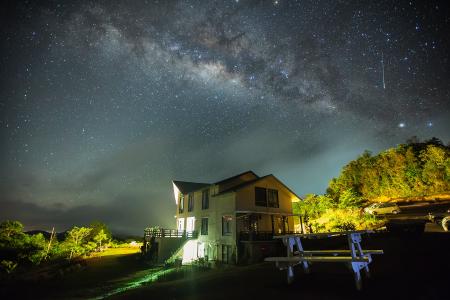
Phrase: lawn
(92, 277)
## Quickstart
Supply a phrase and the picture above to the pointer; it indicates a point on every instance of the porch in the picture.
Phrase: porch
(263, 226)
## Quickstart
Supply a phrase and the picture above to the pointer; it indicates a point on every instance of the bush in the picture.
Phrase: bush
(345, 219)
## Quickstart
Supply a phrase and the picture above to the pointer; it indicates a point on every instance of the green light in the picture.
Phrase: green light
(152, 277)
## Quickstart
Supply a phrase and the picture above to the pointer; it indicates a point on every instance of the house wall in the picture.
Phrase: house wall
(245, 201)
(245, 197)
(218, 207)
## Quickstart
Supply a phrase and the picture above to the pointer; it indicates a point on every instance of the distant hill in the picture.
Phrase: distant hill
(414, 169)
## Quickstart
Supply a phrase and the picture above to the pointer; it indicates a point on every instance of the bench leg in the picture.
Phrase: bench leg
(367, 271)
(290, 274)
(305, 264)
(306, 267)
(357, 266)
(358, 280)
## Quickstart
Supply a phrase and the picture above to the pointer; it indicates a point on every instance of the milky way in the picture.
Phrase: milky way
(104, 103)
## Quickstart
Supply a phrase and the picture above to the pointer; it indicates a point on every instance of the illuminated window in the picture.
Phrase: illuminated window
(205, 199)
(260, 196)
(180, 225)
(226, 225)
(272, 198)
(204, 229)
(191, 202)
(181, 204)
(190, 224)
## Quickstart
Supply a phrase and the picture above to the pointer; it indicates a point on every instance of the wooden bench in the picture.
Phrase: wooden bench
(355, 257)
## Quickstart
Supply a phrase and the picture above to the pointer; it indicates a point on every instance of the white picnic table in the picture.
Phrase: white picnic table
(355, 256)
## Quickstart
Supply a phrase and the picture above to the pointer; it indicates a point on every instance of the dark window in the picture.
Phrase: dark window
(260, 196)
(205, 199)
(272, 198)
(191, 202)
(181, 204)
(226, 225)
(204, 229)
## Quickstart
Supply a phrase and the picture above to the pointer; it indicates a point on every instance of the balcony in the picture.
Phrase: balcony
(169, 233)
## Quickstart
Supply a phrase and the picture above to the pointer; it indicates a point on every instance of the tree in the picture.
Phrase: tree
(75, 239)
(100, 237)
(413, 169)
(10, 228)
(98, 226)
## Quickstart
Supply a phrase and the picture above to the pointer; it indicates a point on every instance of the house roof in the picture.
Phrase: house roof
(236, 176)
(247, 183)
(187, 187)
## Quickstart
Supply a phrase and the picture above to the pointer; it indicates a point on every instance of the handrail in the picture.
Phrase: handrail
(169, 233)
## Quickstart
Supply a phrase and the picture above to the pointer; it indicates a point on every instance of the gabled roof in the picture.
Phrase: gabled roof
(187, 187)
(236, 176)
(247, 183)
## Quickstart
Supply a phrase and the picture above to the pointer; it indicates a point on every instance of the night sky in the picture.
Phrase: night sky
(103, 103)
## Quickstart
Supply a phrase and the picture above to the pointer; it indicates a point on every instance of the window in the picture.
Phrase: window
(191, 202)
(260, 196)
(181, 205)
(204, 229)
(190, 224)
(226, 225)
(205, 199)
(272, 198)
(266, 197)
(180, 226)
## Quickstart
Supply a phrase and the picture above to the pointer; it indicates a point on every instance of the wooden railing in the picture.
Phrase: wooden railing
(169, 233)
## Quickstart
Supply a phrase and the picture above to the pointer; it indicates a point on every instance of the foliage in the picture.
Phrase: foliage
(313, 205)
(343, 219)
(349, 199)
(76, 241)
(413, 169)
(100, 237)
(18, 248)
(8, 266)
(10, 228)
(99, 228)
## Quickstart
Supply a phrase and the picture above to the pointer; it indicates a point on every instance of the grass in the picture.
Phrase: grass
(92, 277)
(117, 251)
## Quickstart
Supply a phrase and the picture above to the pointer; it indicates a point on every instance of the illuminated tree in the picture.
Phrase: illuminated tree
(75, 239)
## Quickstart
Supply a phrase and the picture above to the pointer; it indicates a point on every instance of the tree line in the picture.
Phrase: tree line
(409, 170)
(18, 248)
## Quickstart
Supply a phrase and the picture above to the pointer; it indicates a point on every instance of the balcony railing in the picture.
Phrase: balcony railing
(259, 235)
(169, 233)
